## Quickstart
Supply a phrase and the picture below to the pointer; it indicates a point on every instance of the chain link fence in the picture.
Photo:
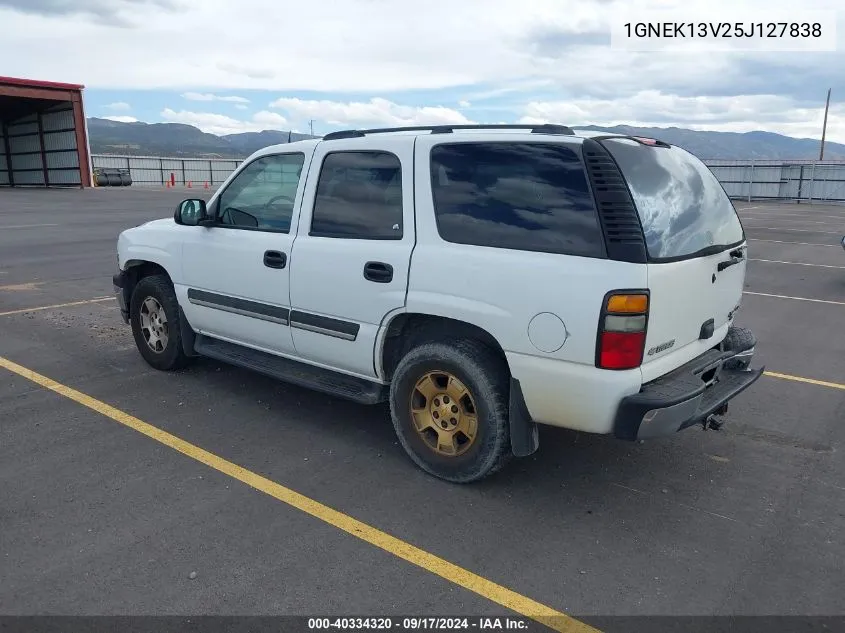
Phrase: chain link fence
(158, 171)
(796, 181)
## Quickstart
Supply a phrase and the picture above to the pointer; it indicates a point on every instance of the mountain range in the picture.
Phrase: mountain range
(180, 140)
(177, 139)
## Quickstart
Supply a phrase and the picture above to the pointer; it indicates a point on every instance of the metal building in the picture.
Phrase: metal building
(43, 135)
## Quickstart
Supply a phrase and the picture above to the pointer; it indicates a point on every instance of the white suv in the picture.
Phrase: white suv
(481, 279)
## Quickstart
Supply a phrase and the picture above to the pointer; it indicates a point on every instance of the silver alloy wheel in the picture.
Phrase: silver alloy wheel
(154, 325)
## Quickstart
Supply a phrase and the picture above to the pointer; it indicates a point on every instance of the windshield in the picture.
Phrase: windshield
(682, 207)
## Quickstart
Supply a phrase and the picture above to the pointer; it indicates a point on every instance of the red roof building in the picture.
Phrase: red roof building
(43, 135)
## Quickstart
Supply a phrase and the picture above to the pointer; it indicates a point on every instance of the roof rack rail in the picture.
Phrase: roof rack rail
(546, 128)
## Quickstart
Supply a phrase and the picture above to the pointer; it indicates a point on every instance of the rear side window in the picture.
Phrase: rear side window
(523, 196)
(681, 204)
(359, 196)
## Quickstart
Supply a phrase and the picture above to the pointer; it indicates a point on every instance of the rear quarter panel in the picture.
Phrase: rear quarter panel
(502, 290)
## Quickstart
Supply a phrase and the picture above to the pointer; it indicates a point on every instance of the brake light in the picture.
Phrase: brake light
(622, 330)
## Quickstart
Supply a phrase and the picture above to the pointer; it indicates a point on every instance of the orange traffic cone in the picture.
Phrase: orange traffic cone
(206, 184)
(168, 184)
(190, 184)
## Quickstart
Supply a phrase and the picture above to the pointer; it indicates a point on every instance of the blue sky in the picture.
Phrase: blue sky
(484, 103)
(276, 64)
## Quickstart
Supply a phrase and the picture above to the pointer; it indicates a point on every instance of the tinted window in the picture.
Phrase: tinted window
(359, 195)
(525, 196)
(262, 195)
(681, 204)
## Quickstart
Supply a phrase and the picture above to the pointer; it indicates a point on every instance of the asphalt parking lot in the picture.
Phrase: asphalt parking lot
(97, 518)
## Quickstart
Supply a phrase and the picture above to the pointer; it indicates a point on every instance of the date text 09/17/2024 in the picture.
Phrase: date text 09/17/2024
(420, 623)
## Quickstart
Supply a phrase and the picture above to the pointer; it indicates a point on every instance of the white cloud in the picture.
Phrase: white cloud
(376, 111)
(208, 96)
(357, 45)
(221, 124)
(500, 54)
(513, 88)
(651, 108)
(464, 103)
(121, 118)
(272, 119)
(118, 106)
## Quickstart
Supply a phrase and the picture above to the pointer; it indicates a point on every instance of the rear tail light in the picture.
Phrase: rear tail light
(627, 304)
(622, 330)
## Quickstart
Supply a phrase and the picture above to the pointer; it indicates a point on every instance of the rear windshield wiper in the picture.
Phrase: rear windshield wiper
(709, 250)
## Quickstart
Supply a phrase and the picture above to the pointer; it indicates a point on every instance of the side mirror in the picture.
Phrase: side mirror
(191, 212)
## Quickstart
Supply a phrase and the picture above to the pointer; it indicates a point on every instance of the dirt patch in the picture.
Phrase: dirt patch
(98, 324)
(32, 285)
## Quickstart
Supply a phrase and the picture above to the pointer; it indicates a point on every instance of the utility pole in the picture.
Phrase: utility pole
(311, 123)
(824, 125)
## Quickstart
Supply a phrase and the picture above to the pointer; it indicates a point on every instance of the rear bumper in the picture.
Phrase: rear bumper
(687, 396)
(119, 282)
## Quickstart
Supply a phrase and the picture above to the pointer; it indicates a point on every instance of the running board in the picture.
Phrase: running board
(294, 372)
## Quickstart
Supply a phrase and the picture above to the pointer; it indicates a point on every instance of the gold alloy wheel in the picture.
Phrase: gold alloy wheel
(444, 413)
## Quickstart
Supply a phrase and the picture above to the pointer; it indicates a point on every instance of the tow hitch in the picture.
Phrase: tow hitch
(712, 421)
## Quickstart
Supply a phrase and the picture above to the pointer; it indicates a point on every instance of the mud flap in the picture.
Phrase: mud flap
(188, 335)
(525, 437)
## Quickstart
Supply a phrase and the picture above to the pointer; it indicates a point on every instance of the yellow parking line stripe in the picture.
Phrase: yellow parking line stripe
(488, 589)
(810, 381)
(765, 294)
(57, 305)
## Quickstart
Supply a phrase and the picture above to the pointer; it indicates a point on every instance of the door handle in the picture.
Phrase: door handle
(378, 272)
(737, 256)
(275, 259)
(727, 264)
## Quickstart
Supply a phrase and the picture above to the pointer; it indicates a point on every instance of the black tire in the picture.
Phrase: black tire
(159, 288)
(486, 376)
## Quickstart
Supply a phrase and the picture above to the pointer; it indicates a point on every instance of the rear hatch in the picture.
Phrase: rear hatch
(696, 251)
